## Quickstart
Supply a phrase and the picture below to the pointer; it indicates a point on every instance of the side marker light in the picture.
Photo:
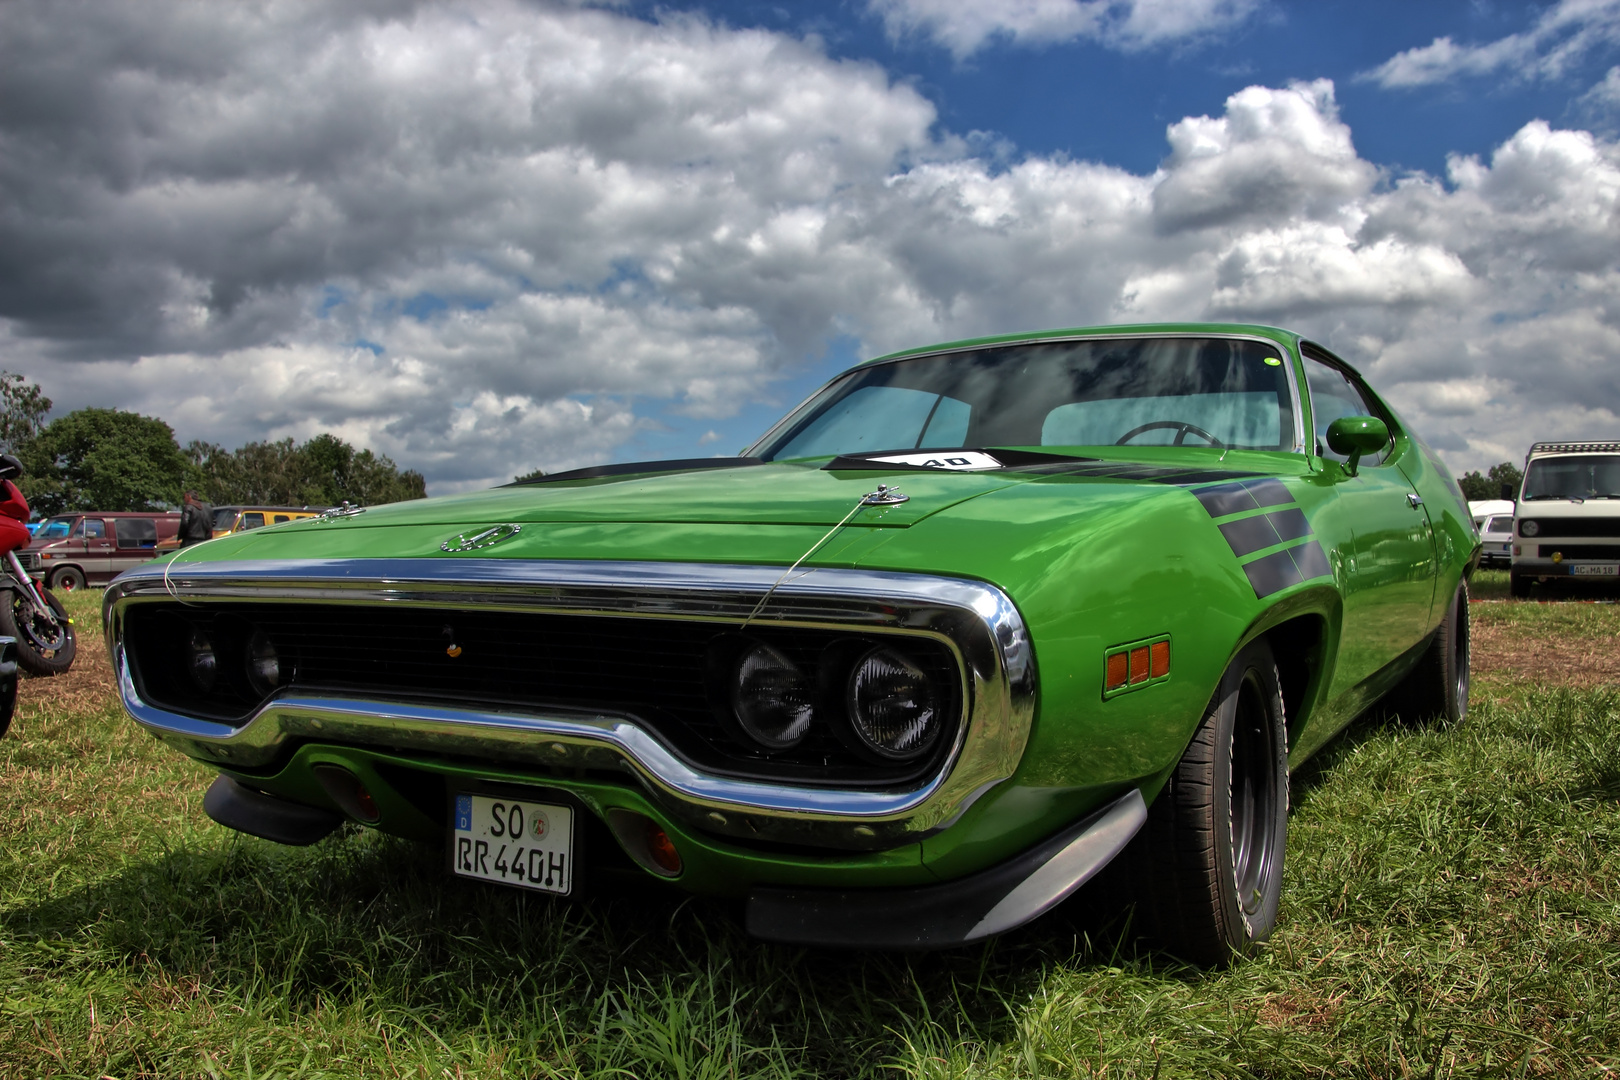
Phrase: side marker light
(1136, 665)
(1139, 665)
(1119, 671)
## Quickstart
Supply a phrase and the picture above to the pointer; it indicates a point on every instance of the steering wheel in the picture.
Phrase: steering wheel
(1183, 429)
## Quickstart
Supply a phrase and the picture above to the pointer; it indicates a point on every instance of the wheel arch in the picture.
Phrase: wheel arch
(1303, 632)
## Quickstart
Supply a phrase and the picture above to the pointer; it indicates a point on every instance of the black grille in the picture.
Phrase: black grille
(1581, 551)
(1597, 526)
(29, 559)
(659, 671)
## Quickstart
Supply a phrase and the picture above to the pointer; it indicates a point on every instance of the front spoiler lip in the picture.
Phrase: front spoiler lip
(957, 912)
(977, 621)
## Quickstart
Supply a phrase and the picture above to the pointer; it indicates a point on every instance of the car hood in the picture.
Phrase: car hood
(773, 513)
(771, 493)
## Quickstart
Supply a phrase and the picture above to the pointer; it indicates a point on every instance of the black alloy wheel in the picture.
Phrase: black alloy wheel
(1206, 871)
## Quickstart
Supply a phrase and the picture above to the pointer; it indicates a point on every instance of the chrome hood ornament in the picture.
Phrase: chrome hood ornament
(487, 538)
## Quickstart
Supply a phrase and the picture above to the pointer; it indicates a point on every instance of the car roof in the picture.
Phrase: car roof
(1273, 333)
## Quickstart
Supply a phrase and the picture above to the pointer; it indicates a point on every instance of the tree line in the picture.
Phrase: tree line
(109, 459)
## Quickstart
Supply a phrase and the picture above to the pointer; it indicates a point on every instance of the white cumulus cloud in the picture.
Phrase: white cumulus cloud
(965, 26)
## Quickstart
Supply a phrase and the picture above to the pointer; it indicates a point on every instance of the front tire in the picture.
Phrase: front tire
(1209, 864)
(45, 641)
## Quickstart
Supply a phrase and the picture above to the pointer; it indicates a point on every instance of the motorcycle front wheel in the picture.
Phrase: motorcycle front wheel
(45, 641)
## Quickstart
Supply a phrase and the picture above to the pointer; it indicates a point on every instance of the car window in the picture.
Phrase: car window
(1335, 394)
(880, 418)
(89, 528)
(224, 517)
(56, 528)
(1499, 525)
(279, 518)
(1088, 392)
(253, 520)
(135, 532)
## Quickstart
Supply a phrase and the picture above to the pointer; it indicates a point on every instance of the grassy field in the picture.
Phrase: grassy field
(1451, 910)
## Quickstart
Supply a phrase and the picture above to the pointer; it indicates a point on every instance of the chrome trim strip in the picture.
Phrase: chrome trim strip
(978, 622)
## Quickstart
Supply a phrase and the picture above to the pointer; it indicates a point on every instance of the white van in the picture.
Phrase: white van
(1568, 525)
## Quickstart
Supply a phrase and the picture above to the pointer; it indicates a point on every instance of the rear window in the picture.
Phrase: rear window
(135, 532)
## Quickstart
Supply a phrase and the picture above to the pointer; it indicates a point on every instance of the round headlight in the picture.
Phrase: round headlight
(265, 668)
(893, 706)
(201, 665)
(1529, 528)
(771, 699)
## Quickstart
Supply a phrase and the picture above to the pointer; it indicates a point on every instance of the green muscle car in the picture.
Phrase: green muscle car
(968, 625)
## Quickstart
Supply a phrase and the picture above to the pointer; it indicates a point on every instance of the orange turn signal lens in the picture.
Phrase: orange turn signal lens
(1118, 671)
(349, 792)
(1160, 664)
(661, 849)
(1139, 665)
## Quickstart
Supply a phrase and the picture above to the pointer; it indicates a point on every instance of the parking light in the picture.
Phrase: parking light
(349, 792)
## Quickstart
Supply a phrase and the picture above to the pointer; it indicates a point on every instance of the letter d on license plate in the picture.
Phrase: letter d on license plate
(512, 842)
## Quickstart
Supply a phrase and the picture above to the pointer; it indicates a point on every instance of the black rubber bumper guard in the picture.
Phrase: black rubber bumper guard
(257, 814)
(990, 902)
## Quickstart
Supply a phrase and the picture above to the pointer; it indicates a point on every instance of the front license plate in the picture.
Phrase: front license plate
(527, 844)
(1599, 570)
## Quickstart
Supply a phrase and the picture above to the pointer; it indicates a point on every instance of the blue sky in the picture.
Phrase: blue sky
(485, 237)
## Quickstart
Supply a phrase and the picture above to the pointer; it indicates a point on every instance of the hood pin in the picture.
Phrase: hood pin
(885, 496)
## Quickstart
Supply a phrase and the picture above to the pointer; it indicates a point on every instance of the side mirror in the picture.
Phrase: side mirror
(1353, 436)
(1508, 493)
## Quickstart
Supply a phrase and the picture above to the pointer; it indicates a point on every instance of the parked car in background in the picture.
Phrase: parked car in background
(1494, 520)
(1568, 526)
(966, 626)
(232, 519)
(70, 551)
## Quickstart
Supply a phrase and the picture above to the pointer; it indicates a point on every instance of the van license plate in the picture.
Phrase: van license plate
(530, 845)
(1595, 570)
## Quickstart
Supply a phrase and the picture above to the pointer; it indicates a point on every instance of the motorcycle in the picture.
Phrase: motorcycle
(29, 613)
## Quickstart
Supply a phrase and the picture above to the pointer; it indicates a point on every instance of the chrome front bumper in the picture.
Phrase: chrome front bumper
(976, 621)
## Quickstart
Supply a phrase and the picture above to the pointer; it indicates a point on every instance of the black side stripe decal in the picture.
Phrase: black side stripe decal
(1247, 535)
(1283, 569)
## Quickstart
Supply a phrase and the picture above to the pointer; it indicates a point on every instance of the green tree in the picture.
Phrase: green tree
(1489, 486)
(324, 471)
(22, 411)
(103, 459)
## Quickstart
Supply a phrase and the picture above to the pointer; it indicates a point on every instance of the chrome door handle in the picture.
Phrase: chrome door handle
(1414, 499)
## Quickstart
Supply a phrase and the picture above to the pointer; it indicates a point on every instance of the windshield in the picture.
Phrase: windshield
(224, 517)
(1584, 476)
(1100, 392)
(56, 528)
(1498, 525)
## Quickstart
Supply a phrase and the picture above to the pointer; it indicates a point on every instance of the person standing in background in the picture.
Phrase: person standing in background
(196, 520)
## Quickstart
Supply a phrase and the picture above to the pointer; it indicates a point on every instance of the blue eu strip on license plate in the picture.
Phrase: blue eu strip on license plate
(513, 842)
